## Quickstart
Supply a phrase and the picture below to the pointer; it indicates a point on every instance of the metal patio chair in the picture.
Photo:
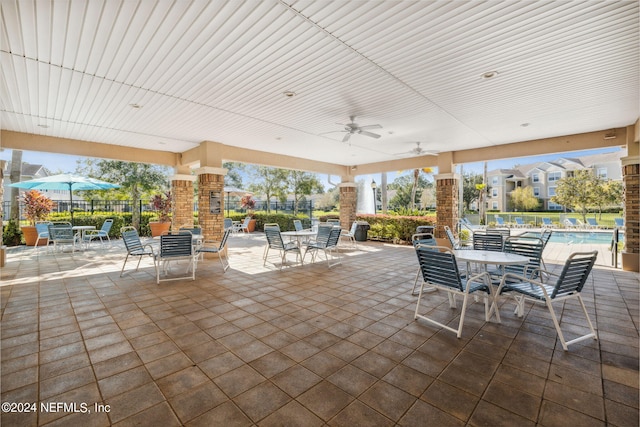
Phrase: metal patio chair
(218, 249)
(568, 285)
(425, 239)
(440, 269)
(275, 242)
(326, 241)
(176, 246)
(134, 246)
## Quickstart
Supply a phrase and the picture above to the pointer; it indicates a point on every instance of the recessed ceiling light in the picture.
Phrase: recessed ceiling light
(524, 125)
(136, 106)
(278, 138)
(489, 75)
(162, 143)
(43, 126)
(289, 94)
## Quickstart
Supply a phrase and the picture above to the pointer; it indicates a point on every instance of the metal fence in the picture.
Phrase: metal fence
(126, 206)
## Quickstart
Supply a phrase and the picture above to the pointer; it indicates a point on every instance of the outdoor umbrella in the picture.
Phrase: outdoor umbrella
(236, 192)
(68, 182)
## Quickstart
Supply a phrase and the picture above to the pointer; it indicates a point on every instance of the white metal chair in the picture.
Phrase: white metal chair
(103, 233)
(176, 247)
(440, 269)
(134, 246)
(218, 249)
(350, 235)
(61, 233)
(244, 226)
(568, 285)
(275, 242)
(326, 241)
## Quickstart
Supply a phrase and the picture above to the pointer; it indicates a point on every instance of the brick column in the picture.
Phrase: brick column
(348, 204)
(447, 199)
(631, 181)
(182, 201)
(211, 182)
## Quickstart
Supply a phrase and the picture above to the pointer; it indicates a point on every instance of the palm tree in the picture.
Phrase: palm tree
(414, 188)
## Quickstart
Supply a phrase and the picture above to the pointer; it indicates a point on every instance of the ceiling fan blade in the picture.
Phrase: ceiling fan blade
(346, 137)
(372, 135)
(371, 127)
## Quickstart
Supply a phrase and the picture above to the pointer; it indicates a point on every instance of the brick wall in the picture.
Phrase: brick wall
(212, 224)
(447, 202)
(182, 203)
(631, 180)
(348, 206)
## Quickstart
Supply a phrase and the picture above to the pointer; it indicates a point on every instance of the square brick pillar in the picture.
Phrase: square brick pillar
(447, 200)
(211, 189)
(182, 200)
(348, 204)
(631, 181)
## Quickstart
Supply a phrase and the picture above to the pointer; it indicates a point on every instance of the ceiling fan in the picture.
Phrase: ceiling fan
(354, 128)
(419, 151)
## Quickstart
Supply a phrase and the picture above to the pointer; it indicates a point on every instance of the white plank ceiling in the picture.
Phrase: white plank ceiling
(217, 71)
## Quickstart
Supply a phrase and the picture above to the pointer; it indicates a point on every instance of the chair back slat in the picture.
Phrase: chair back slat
(487, 241)
(42, 228)
(60, 232)
(274, 238)
(225, 236)
(297, 224)
(354, 228)
(439, 268)
(450, 237)
(334, 237)
(131, 240)
(574, 274)
(530, 247)
(106, 226)
(176, 245)
(228, 223)
(324, 231)
(426, 239)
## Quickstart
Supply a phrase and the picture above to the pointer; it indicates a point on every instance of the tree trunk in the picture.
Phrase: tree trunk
(16, 174)
(416, 175)
(383, 192)
(135, 210)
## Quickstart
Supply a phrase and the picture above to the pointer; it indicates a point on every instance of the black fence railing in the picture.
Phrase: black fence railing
(126, 206)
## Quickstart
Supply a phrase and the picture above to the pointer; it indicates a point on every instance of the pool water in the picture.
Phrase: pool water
(589, 237)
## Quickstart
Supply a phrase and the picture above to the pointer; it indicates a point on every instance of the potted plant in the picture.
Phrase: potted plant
(37, 207)
(247, 202)
(162, 206)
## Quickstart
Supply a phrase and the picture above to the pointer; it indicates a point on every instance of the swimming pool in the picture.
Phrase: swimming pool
(589, 237)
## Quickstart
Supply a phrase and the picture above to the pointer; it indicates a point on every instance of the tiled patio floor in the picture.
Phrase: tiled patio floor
(303, 346)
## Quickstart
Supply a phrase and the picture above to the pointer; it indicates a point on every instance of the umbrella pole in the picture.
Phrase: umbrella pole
(71, 203)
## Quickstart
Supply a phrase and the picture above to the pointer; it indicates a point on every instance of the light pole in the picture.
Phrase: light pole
(373, 188)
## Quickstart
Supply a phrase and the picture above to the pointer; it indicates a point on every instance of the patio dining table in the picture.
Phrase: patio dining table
(300, 236)
(485, 257)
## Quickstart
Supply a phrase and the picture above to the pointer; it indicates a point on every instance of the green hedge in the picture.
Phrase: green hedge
(394, 228)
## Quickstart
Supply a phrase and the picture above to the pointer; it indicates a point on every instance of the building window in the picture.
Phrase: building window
(601, 173)
(494, 206)
(554, 207)
(536, 191)
(494, 192)
(551, 191)
(494, 180)
(535, 177)
(554, 176)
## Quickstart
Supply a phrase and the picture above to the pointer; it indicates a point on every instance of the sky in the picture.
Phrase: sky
(59, 163)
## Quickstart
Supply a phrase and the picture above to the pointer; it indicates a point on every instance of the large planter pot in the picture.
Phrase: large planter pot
(31, 236)
(252, 226)
(159, 228)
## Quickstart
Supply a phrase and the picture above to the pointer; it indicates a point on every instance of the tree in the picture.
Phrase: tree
(576, 192)
(404, 185)
(134, 179)
(233, 178)
(523, 199)
(272, 182)
(414, 188)
(302, 184)
(469, 191)
(606, 194)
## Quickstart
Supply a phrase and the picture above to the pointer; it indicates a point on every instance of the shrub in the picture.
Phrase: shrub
(37, 206)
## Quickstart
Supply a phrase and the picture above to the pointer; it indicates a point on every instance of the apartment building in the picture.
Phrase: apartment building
(543, 178)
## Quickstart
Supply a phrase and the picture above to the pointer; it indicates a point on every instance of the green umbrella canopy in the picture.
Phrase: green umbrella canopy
(68, 182)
